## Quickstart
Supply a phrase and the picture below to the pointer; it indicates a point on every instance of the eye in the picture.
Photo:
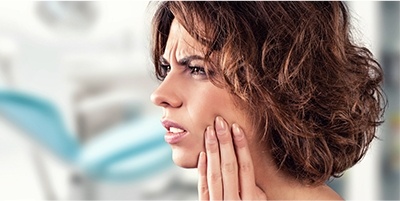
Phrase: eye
(197, 71)
(164, 70)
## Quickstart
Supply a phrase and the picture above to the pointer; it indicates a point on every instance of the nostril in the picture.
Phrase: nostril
(164, 104)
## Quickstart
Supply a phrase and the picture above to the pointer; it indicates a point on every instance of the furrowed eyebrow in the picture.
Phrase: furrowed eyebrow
(186, 60)
(163, 60)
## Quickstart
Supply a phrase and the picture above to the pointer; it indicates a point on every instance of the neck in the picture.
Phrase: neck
(280, 186)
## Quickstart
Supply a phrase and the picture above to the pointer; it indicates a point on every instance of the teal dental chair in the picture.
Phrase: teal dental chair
(131, 150)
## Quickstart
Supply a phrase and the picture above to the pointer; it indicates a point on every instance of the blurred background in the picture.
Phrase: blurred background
(87, 65)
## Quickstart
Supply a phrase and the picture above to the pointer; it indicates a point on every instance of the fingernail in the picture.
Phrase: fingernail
(220, 125)
(237, 132)
(210, 135)
(202, 154)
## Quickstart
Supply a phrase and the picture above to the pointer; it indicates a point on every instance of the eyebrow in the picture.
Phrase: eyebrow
(184, 60)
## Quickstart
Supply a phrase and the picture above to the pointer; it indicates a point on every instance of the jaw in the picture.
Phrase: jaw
(185, 158)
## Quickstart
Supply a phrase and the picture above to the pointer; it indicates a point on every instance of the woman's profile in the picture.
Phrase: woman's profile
(267, 99)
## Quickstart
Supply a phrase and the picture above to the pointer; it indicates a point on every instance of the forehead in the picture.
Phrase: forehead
(180, 43)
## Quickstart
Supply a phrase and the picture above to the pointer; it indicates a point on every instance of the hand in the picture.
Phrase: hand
(226, 172)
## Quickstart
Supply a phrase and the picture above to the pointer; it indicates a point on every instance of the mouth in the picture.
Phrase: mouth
(175, 132)
(173, 127)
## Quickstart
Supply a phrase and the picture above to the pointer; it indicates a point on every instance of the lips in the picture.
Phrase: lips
(175, 132)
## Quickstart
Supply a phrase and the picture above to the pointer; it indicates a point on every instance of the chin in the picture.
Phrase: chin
(185, 159)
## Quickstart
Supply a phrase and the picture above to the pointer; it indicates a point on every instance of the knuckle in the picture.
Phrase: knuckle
(215, 177)
(245, 167)
(212, 148)
(224, 139)
(229, 167)
(203, 189)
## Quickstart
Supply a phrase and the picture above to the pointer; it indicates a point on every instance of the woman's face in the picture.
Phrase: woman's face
(189, 100)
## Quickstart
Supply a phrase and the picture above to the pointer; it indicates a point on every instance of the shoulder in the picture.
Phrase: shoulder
(322, 192)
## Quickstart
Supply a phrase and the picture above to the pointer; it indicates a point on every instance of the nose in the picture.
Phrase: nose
(166, 95)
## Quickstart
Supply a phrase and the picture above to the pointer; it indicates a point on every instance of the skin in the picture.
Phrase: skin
(190, 99)
(220, 142)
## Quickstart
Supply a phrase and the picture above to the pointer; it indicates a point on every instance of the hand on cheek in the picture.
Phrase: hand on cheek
(226, 170)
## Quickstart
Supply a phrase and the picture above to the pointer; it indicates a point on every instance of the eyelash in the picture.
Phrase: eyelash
(194, 70)
(164, 70)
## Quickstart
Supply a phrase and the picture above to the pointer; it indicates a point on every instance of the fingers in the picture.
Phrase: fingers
(229, 165)
(214, 180)
(226, 171)
(246, 169)
(202, 184)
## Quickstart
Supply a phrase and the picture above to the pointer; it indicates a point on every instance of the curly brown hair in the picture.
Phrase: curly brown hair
(313, 94)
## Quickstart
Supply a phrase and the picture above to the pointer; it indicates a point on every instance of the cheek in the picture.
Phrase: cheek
(202, 113)
(221, 103)
(206, 103)
(203, 105)
(212, 102)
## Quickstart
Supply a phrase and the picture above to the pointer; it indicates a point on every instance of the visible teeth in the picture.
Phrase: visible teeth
(175, 130)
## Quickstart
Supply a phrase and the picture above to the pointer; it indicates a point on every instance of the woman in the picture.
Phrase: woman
(267, 99)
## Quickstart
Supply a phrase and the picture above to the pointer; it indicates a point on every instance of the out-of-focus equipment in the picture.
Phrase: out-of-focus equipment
(129, 150)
